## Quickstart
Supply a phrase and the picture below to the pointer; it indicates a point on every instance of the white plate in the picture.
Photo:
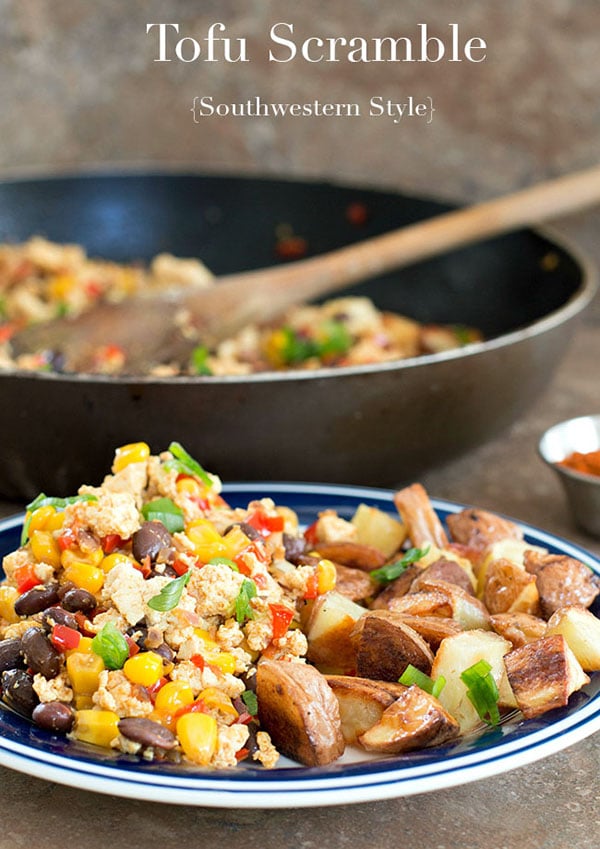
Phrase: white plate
(31, 750)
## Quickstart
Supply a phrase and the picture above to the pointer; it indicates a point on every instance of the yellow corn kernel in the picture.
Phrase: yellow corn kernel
(45, 548)
(60, 286)
(223, 661)
(191, 487)
(209, 643)
(217, 700)
(174, 695)
(55, 522)
(116, 559)
(38, 520)
(275, 346)
(99, 727)
(197, 733)
(144, 668)
(76, 555)
(8, 596)
(206, 539)
(236, 541)
(84, 672)
(326, 576)
(84, 647)
(134, 452)
(85, 576)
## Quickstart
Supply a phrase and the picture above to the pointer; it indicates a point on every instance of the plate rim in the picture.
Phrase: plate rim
(306, 787)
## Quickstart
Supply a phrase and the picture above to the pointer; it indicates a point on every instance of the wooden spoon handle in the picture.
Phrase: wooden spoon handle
(280, 286)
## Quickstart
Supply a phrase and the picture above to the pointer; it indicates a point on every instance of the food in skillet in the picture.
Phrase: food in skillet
(146, 615)
(40, 280)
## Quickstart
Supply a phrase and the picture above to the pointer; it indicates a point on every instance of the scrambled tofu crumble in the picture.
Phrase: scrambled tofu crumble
(157, 602)
(41, 280)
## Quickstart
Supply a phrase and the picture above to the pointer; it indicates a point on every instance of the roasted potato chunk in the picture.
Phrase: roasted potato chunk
(425, 603)
(543, 675)
(468, 611)
(352, 554)
(508, 588)
(385, 645)
(433, 629)
(581, 630)
(479, 529)
(354, 583)
(328, 630)
(444, 570)
(460, 652)
(300, 712)
(562, 581)
(378, 529)
(362, 702)
(397, 588)
(419, 517)
(518, 628)
(415, 720)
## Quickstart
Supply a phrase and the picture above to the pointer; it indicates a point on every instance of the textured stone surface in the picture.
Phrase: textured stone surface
(78, 86)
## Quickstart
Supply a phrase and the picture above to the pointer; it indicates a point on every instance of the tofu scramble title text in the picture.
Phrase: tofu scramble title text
(215, 45)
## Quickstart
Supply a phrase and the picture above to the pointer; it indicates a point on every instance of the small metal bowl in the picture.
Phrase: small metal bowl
(582, 491)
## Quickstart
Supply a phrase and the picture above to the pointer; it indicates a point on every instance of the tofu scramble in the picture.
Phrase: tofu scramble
(148, 616)
(42, 280)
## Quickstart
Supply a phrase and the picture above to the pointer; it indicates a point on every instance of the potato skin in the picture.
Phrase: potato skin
(300, 712)
(362, 702)
(386, 645)
(414, 721)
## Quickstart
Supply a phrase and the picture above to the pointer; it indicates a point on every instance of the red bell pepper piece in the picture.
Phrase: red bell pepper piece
(310, 534)
(110, 542)
(64, 638)
(26, 578)
(312, 587)
(265, 524)
(281, 616)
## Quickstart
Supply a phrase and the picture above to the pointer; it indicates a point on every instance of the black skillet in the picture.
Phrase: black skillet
(377, 425)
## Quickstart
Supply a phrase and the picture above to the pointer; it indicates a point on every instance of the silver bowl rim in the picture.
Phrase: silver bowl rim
(564, 471)
(572, 307)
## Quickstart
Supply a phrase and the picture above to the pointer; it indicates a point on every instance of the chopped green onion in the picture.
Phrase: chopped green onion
(166, 511)
(111, 646)
(412, 675)
(463, 335)
(224, 561)
(251, 702)
(243, 608)
(43, 500)
(170, 594)
(185, 464)
(482, 691)
(394, 570)
(335, 339)
(199, 361)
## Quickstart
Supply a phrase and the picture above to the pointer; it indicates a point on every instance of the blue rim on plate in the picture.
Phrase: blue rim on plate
(32, 750)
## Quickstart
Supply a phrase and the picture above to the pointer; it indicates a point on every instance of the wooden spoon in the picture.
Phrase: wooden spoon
(164, 325)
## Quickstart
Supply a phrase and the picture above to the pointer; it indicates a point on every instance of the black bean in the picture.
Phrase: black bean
(295, 547)
(11, 654)
(147, 732)
(64, 589)
(151, 540)
(56, 615)
(165, 651)
(36, 600)
(250, 532)
(40, 654)
(76, 599)
(54, 716)
(18, 692)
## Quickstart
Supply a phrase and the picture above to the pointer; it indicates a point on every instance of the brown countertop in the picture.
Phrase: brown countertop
(553, 803)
